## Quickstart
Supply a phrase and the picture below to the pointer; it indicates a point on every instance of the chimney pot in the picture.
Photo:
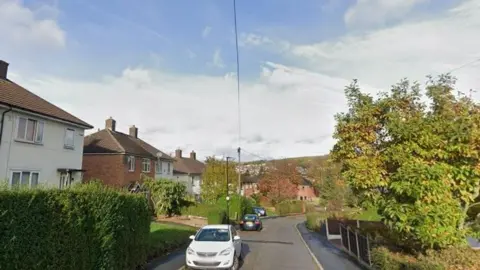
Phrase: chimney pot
(110, 123)
(193, 155)
(133, 131)
(3, 69)
(178, 153)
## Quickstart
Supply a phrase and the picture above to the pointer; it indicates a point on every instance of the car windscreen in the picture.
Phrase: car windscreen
(213, 235)
(250, 217)
(258, 209)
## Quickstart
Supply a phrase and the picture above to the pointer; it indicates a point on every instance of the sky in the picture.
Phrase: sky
(169, 67)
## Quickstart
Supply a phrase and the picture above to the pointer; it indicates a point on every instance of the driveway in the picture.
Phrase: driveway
(277, 247)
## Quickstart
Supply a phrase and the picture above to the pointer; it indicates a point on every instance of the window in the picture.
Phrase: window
(69, 138)
(29, 130)
(131, 163)
(146, 165)
(24, 178)
(158, 166)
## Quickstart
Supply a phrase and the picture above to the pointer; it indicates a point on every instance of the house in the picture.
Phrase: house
(188, 170)
(40, 144)
(306, 190)
(250, 185)
(119, 159)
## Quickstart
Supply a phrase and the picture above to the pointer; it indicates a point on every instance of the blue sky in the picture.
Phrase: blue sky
(169, 66)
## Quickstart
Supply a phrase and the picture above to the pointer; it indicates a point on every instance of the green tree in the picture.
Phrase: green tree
(415, 157)
(214, 180)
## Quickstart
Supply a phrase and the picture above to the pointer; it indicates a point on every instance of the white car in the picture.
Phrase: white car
(214, 247)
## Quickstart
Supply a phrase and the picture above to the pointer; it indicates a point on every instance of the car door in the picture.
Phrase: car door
(238, 243)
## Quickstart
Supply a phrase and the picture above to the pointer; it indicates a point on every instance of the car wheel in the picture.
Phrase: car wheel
(236, 264)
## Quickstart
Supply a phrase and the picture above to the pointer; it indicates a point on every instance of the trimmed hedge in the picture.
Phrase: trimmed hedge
(199, 210)
(217, 217)
(289, 207)
(463, 258)
(88, 227)
(238, 206)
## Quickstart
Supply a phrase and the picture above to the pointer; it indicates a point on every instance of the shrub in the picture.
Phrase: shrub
(289, 207)
(218, 216)
(88, 227)
(199, 209)
(314, 221)
(167, 196)
(238, 206)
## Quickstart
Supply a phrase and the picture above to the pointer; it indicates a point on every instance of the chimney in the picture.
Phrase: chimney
(3, 69)
(133, 131)
(178, 153)
(193, 155)
(110, 123)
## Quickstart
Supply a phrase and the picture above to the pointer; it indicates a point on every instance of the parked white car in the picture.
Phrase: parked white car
(214, 247)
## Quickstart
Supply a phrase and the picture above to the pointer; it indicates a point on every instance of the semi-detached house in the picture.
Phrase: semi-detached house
(188, 170)
(40, 144)
(119, 159)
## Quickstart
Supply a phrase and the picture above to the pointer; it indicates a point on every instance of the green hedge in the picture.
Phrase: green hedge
(289, 207)
(217, 217)
(83, 228)
(199, 210)
(238, 206)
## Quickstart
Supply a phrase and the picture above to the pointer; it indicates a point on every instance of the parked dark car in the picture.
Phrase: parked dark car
(260, 211)
(251, 222)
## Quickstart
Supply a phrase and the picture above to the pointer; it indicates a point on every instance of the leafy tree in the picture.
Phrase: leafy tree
(280, 182)
(167, 196)
(214, 180)
(414, 157)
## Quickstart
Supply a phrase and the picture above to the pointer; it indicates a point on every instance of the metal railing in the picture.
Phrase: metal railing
(355, 244)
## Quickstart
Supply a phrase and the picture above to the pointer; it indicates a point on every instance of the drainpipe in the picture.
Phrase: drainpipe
(1, 122)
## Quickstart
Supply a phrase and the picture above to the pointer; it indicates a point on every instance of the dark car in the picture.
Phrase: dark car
(260, 211)
(251, 222)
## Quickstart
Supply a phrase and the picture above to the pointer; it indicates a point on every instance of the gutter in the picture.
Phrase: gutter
(1, 122)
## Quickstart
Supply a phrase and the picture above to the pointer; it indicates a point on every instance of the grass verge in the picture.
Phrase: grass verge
(165, 238)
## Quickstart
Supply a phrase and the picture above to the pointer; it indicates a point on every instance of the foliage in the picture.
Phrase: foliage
(86, 227)
(256, 198)
(417, 163)
(289, 207)
(214, 180)
(333, 191)
(315, 220)
(167, 196)
(218, 216)
(199, 209)
(238, 206)
(165, 238)
(280, 182)
(450, 258)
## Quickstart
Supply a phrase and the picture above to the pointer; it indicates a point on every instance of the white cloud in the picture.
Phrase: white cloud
(206, 31)
(256, 40)
(23, 27)
(282, 106)
(366, 13)
(217, 60)
(412, 49)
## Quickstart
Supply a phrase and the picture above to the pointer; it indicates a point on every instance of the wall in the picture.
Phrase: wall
(165, 173)
(306, 191)
(135, 176)
(192, 182)
(44, 158)
(107, 168)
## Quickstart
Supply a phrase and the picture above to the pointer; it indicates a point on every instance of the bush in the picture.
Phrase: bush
(89, 227)
(217, 217)
(315, 220)
(289, 207)
(199, 209)
(167, 196)
(238, 206)
(452, 258)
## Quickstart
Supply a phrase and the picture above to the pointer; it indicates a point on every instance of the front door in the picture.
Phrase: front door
(64, 180)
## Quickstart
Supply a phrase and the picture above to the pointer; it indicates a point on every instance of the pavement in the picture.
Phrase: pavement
(277, 247)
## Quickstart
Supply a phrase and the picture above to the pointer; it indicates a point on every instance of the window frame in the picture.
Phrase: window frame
(168, 167)
(37, 137)
(131, 163)
(30, 172)
(65, 145)
(146, 162)
(158, 167)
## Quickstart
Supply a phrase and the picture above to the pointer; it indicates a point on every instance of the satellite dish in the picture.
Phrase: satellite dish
(159, 154)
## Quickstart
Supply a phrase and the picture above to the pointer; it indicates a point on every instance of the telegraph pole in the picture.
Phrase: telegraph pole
(227, 198)
(239, 173)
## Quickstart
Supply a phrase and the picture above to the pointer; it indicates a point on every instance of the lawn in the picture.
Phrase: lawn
(167, 237)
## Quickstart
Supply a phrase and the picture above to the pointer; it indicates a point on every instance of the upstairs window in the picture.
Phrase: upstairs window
(131, 163)
(29, 130)
(69, 138)
(146, 165)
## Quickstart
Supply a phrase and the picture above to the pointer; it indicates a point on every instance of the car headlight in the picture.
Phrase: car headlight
(226, 252)
(190, 251)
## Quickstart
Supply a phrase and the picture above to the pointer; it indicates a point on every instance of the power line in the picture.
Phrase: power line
(464, 65)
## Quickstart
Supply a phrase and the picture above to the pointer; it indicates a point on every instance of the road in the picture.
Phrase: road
(277, 247)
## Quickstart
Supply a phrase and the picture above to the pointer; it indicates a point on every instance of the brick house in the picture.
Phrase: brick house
(250, 185)
(306, 190)
(119, 159)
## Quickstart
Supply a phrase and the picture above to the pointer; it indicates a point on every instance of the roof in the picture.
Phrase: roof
(306, 182)
(216, 226)
(107, 141)
(14, 95)
(188, 165)
(250, 179)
